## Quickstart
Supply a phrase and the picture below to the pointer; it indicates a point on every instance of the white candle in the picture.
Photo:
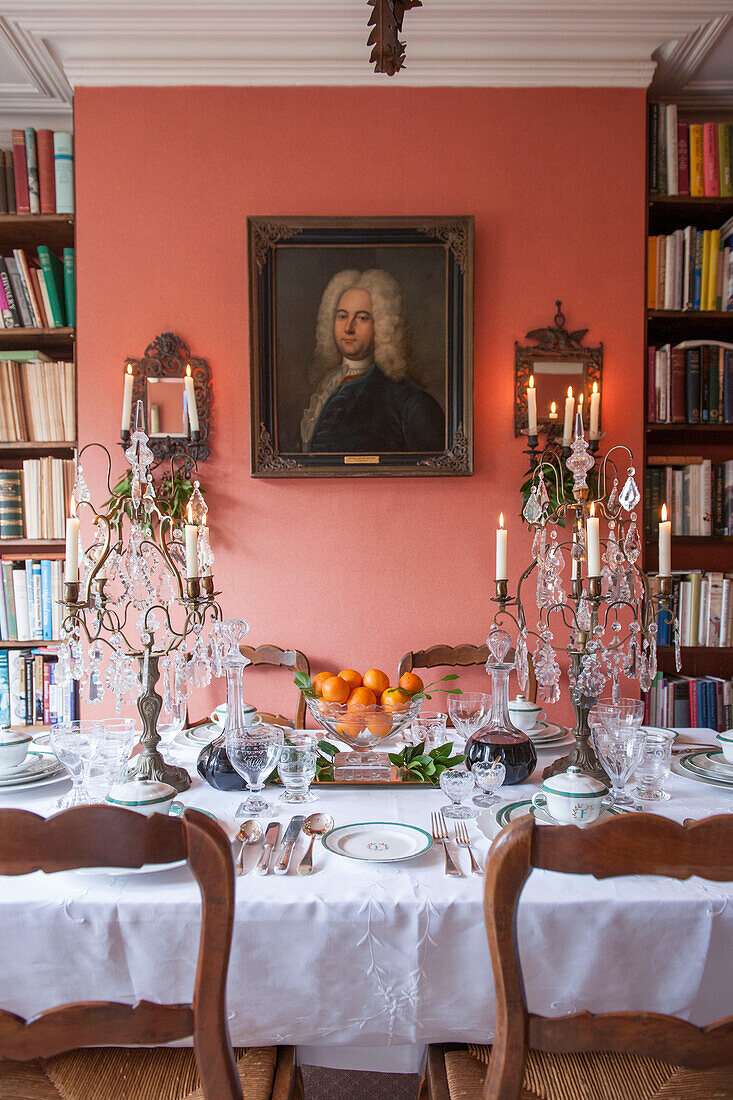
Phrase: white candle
(205, 537)
(192, 558)
(193, 413)
(593, 543)
(595, 411)
(71, 574)
(573, 561)
(531, 407)
(127, 399)
(501, 550)
(553, 411)
(567, 428)
(665, 545)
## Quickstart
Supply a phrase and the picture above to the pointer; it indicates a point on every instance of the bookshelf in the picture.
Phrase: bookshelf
(711, 441)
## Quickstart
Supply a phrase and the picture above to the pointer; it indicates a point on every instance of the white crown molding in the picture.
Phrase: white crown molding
(685, 57)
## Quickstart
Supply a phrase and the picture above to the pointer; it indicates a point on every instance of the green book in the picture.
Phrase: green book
(11, 504)
(724, 160)
(25, 356)
(70, 285)
(53, 274)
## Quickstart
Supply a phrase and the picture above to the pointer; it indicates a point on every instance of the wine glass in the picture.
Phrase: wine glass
(457, 783)
(72, 743)
(623, 713)
(297, 769)
(253, 752)
(655, 765)
(619, 749)
(107, 764)
(469, 711)
(489, 775)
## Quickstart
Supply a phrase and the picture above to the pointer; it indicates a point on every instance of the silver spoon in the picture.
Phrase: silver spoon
(250, 833)
(313, 826)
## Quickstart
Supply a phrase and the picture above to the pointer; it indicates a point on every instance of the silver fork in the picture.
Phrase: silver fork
(463, 841)
(440, 832)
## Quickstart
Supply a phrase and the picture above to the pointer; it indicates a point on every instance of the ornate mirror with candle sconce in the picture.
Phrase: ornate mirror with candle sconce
(175, 389)
(558, 361)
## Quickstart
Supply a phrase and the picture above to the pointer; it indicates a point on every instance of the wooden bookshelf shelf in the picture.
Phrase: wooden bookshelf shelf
(59, 341)
(668, 212)
(32, 643)
(31, 448)
(21, 230)
(31, 544)
(697, 660)
(689, 433)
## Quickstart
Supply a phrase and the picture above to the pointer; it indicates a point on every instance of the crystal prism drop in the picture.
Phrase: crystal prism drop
(197, 505)
(80, 491)
(630, 496)
(632, 543)
(532, 510)
(613, 498)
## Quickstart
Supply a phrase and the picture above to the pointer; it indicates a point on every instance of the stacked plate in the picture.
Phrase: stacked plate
(706, 765)
(201, 735)
(37, 769)
(546, 734)
(490, 821)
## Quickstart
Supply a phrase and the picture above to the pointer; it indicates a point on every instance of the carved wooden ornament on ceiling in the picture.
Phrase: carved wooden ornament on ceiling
(388, 53)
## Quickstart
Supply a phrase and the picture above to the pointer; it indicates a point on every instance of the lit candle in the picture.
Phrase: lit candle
(593, 543)
(193, 413)
(127, 399)
(192, 557)
(573, 561)
(501, 550)
(553, 411)
(567, 428)
(71, 574)
(665, 545)
(531, 407)
(595, 411)
(205, 538)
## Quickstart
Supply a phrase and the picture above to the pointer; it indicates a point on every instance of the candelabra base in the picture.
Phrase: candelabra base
(581, 756)
(153, 766)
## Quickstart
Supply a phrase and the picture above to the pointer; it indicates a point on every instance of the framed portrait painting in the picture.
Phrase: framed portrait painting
(361, 337)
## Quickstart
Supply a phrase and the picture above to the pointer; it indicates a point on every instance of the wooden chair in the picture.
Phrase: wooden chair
(461, 656)
(280, 658)
(639, 1054)
(32, 1065)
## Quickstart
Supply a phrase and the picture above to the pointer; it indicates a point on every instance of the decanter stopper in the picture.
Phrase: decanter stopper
(234, 630)
(499, 643)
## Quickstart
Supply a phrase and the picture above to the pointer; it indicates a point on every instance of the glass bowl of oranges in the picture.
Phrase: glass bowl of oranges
(362, 711)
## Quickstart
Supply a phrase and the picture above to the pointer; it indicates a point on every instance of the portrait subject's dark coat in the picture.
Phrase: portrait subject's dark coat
(374, 414)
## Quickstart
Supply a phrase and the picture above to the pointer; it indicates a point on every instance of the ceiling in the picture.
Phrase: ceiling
(49, 47)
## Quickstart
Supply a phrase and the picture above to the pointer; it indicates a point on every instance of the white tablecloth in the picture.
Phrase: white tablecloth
(361, 965)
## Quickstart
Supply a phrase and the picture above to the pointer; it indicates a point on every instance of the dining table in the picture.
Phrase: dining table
(361, 964)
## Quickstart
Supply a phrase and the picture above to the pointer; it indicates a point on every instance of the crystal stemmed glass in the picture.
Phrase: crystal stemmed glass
(623, 713)
(253, 752)
(489, 775)
(107, 764)
(619, 750)
(469, 711)
(297, 769)
(428, 729)
(457, 783)
(655, 765)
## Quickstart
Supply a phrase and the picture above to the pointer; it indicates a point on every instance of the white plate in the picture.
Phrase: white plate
(202, 735)
(31, 786)
(146, 869)
(661, 729)
(551, 742)
(378, 841)
(35, 767)
(545, 730)
(490, 821)
(707, 763)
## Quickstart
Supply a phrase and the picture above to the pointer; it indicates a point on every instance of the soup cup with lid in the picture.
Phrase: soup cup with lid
(572, 798)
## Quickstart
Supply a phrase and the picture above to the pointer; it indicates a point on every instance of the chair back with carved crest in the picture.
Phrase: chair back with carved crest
(280, 658)
(461, 656)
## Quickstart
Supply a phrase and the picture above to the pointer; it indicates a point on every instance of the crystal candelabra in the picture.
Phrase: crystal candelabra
(606, 620)
(134, 598)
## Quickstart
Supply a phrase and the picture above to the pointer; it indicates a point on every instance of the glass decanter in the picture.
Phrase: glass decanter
(213, 763)
(499, 739)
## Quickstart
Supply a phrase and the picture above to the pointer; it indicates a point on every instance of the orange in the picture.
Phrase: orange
(412, 683)
(394, 699)
(379, 724)
(335, 690)
(377, 680)
(362, 697)
(319, 680)
(352, 677)
(349, 726)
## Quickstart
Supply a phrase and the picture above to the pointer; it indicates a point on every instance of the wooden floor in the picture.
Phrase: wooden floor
(336, 1084)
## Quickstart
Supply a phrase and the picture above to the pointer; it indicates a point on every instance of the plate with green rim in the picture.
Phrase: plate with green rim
(510, 811)
(710, 764)
(378, 841)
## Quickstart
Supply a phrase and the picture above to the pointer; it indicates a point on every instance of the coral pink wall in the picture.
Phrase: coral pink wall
(356, 572)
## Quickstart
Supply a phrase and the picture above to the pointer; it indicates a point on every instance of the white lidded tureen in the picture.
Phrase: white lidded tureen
(572, 797)
(144, 796)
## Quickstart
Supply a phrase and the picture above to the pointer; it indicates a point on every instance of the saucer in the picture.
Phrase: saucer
(497, 817)
(35, 767)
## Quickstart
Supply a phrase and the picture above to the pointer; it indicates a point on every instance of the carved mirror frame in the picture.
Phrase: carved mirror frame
(167, 357)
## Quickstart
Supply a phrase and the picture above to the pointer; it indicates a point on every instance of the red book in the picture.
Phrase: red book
(710, 158)
(46, 694)
(693, 704)
(20, 171)
(683, 158)
(651, 390)
(46, 171)
(678, 387)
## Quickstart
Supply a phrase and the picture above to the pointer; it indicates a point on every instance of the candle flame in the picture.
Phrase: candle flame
(664, 513)
(580, 399)
(501, 520)
(553, 407)
(593, 508)
(595, 387)
(72, 508)
(129, 368)
(190, 513)
(570, 391)
(531, 381)
(188, 370)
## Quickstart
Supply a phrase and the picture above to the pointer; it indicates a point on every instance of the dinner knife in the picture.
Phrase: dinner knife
(271, 834)
(291, 835)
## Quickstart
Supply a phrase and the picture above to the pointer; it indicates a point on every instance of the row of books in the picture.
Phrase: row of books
(691, 269)
(38, 173)
(690, 383)
(698, 494)
(33, 500)
(31, 592)
(29, 694)
(688, 158)
(686, 702)
(37, 400)
(38, 293)
(703, 605)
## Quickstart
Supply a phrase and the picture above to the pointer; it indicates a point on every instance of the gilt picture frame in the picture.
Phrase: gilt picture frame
(361, 346)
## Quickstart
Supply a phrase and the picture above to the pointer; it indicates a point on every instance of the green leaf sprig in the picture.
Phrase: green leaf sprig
(417, 765)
